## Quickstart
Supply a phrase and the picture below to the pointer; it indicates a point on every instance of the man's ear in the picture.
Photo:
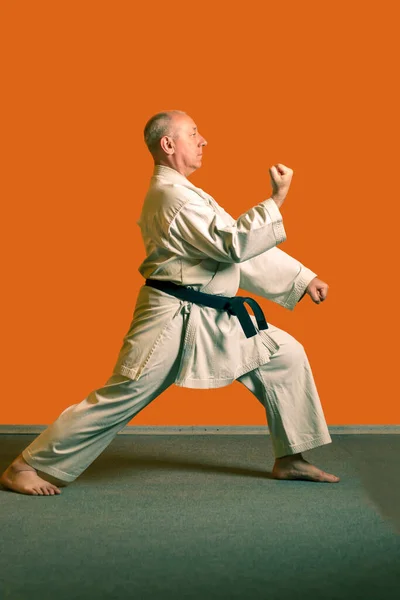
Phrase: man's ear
(167, 144)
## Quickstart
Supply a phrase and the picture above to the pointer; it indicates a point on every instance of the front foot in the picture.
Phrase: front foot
(293, 467)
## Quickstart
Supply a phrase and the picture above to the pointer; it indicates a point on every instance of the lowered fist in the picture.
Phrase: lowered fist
(317, 290)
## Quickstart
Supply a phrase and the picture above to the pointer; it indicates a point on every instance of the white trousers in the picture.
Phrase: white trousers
(285, 387)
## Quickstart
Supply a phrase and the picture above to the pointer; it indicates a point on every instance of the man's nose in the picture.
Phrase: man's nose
(203, 141)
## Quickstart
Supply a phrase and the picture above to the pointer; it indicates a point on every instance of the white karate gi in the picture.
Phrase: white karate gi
(190, 240)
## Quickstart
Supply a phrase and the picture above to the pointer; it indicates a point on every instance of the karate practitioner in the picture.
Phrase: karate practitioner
(190, 329)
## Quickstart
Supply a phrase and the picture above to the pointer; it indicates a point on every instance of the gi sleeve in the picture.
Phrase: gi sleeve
(276, 276)
(197, 231)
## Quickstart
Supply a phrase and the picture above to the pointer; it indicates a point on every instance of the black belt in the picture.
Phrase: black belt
(233, 304)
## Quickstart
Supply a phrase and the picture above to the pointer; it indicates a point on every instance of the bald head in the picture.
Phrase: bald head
(159, 125)
(174, 141)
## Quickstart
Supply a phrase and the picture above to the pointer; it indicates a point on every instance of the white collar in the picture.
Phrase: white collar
(171, 174)
(175, 177)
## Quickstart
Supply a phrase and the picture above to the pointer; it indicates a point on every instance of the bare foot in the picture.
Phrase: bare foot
(21, 477)
(296, 467)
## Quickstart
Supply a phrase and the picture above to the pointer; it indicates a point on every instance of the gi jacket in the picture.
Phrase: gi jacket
(192, 241)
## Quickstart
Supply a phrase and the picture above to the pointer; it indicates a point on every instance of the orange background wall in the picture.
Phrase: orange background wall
(308, 84)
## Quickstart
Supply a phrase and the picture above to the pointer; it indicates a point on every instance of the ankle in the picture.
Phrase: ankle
(20, 464)
(289, 457)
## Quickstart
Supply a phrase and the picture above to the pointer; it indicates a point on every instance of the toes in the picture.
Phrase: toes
(330, 477)
(44, 491)
(50, 491)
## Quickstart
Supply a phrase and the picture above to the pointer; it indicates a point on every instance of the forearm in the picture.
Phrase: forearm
(198, 231)
(277, 276)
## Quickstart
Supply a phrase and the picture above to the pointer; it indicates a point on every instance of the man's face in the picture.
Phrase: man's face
(188, 144)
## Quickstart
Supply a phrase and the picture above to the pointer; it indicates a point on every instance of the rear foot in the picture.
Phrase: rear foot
(299, 468)
(21, 477)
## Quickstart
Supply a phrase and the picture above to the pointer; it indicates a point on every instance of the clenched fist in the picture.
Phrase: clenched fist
(317, 290)
(281, 177)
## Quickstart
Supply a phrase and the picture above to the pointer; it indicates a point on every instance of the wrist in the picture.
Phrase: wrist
(278, 200)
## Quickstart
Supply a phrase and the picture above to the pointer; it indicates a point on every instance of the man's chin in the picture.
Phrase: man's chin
(198, 164)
